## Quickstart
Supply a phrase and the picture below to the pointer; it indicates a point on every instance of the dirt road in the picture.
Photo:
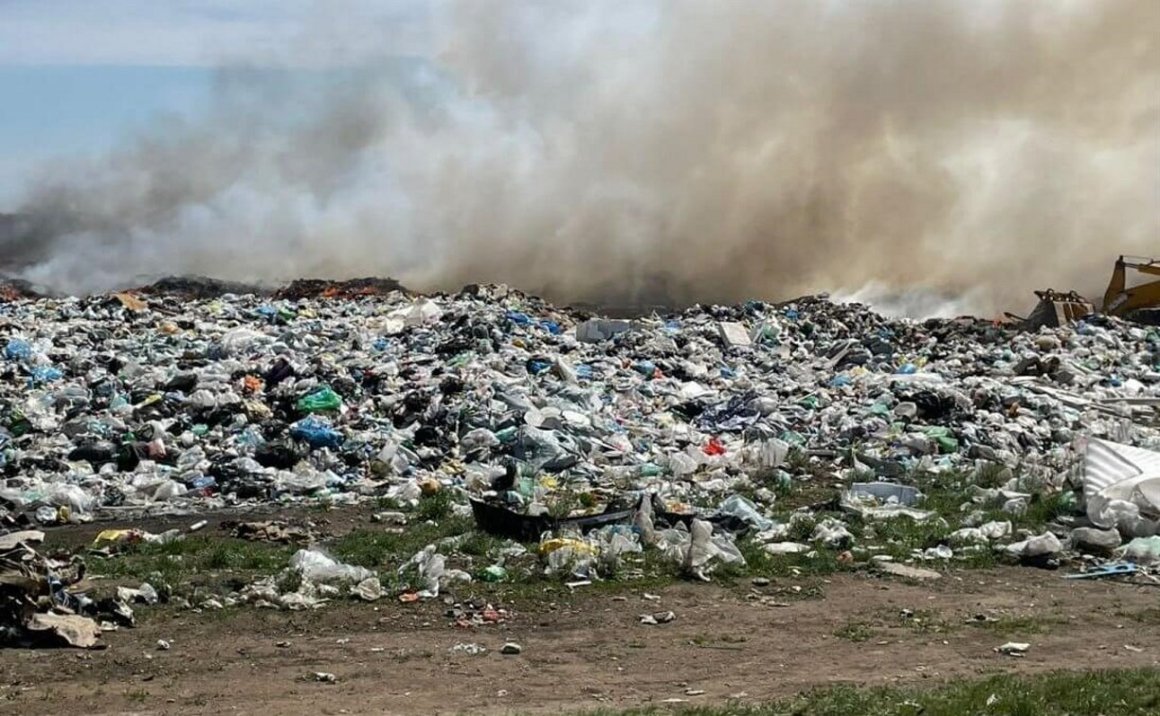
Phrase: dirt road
(589, 650)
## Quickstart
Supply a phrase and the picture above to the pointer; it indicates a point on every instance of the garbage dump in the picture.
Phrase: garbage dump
(587, 439)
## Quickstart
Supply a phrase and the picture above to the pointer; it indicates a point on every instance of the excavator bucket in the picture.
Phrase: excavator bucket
(1057, 309)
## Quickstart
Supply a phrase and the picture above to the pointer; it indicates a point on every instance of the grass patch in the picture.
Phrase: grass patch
(199, 557)
(376, 548)
(801, 527)
(1012, 625)
(902, 535)
(720, 641)
(993, 475)
(136, 695)
(480, 544)
(385, 503)
(759, 563)
(855, 632)
(1134, 692)
(1147, 616)
(1046, 508)
(923, 621)
(435, 507)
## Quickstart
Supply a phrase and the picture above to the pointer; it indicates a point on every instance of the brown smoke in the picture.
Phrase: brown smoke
(699, 151)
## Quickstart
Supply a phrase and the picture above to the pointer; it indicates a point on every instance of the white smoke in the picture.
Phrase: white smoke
(657, 149)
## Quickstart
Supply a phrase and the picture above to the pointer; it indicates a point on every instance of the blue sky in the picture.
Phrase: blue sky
(78, 76)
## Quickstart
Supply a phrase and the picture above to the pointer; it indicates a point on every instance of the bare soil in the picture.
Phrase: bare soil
(590, 651)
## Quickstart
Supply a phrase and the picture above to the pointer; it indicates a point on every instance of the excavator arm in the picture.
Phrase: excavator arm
(1120, 300)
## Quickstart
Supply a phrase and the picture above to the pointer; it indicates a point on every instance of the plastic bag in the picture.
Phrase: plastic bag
(317, 566)
(321, 400)
(432, 570)
(17, 350)
(318, 433)
(704, 549)
(643, 521)
(1144, 550)
(240, 341)
(744, 510)
(72, 497)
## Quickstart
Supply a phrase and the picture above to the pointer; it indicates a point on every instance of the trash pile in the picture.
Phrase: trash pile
(669, 432)
(40, 604)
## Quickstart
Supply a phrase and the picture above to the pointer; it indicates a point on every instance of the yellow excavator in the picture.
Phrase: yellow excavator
(1119, 300)
(1056, 308)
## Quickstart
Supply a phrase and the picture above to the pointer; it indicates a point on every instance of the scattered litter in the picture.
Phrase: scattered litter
(1114, 569)
(1142, 550)
(883, 501)
(67, 629)
(469, 649)
(268, 532)
(1036, 549)
(1012, 648)
(907, 572)
(316, 566)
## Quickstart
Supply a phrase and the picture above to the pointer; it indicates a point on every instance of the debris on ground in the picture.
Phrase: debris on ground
(657, 618)
(37, 606)
(470, 649)
(268, 531)
(1013, 648)
(907, 572)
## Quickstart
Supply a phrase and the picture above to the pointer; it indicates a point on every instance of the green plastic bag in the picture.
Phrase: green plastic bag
(322, 400)
(494, 573)
(947, 443)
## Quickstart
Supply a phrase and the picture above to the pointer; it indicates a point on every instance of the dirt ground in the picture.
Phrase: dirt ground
(590, 650)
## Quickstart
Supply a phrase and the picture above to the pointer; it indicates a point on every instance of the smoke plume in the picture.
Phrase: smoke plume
(654, 150)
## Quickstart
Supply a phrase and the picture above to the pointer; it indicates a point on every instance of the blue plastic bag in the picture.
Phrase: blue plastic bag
(44, 374)
(316, 432)
(518, 318)
(17, 349)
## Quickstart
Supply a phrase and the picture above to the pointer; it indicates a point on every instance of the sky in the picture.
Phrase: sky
(82, 77)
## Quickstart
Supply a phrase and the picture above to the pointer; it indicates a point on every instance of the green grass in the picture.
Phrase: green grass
(797, 460)
(1045, 508)
(376, 548)
(924, 621)
(855, 631)
(1133, 692)
(480, 544)
(387, 503)
(434, 507)
(759, 563)
(919, 622)
(215, 562)
(200, 557)
(994, 475)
